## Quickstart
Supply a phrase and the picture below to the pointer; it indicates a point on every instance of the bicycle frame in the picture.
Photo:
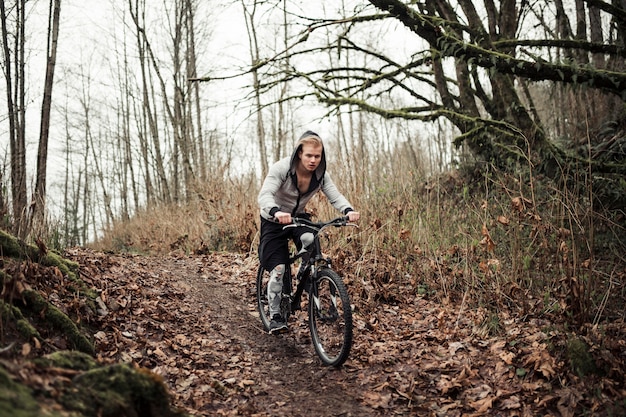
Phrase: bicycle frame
(312, 258)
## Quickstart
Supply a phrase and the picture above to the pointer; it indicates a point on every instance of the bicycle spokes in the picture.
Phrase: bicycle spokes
(330, 318)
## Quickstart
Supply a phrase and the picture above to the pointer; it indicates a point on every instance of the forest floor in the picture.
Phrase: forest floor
(192, 319)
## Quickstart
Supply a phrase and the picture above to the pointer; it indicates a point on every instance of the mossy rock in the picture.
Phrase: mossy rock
(119, 391)
(16, 400)
(112, 391)
(15, 248)
(67, 359)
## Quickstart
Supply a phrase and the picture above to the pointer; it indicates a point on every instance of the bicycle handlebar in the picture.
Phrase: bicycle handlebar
(318, 226)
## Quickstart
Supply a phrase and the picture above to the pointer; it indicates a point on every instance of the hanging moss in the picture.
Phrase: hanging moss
(119, 391)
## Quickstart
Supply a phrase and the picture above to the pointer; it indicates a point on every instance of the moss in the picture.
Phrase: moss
(37, 305)
(115, 391)
(11, 246)
(58, 320)
(119, 391)
(15, 399)
(11, 313)
(580, 358)
(77, 361)
(15, 248)
(67, 267)
(27, 330)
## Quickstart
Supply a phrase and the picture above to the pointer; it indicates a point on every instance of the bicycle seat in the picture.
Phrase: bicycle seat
(306, 239)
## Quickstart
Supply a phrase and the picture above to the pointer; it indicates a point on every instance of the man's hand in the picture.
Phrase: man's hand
(282, 217)
(353, 216)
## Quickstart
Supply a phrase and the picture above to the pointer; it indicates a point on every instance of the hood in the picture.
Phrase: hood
(321, 169)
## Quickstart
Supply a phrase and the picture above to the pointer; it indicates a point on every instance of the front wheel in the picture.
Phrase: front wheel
(330, 318)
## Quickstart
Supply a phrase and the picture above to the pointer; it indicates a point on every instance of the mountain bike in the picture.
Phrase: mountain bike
(329, 308)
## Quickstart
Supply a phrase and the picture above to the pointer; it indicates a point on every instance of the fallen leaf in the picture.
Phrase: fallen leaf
(483, 405)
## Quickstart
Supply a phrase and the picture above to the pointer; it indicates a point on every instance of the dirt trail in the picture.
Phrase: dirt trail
(193, 320)
(285, 377)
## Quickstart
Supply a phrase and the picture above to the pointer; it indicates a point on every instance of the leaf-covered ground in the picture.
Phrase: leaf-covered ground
(192, 320)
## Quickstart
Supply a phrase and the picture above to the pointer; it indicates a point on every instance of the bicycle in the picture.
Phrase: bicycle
(329, 308)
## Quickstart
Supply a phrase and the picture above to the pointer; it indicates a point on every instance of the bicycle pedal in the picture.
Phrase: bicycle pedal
(278, 331)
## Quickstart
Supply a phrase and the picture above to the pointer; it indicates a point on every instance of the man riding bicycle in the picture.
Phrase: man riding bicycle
(290, 184)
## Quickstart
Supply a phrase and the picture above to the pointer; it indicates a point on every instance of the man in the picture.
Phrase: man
(288, 187)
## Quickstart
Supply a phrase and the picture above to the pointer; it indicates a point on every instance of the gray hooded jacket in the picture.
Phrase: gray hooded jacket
(279, 191)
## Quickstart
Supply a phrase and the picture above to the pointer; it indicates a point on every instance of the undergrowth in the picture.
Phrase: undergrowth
(475, 236)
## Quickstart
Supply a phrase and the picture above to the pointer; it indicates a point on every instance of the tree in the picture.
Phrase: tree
(148, 111)
(249, 14)
(477, 65)
(39, 198)
(14, 75)
(14, 49)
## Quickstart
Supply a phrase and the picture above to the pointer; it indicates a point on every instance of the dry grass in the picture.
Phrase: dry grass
(480, 239)
(223, 217)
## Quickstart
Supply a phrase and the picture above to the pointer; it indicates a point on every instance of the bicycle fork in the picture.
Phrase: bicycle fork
(325, 303)
(304, 274)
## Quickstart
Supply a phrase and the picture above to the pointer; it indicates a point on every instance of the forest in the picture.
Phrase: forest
(483, 143)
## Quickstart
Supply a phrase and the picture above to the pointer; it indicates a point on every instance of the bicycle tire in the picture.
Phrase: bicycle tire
(330, 318)
(262, 278)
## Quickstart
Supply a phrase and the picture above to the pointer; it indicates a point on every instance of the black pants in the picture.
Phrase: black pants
(274, 243)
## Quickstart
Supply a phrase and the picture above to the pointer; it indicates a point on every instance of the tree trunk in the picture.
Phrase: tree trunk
(148, 115)
(16, 112)
(194, 108)
(254, 58)
(39, 199)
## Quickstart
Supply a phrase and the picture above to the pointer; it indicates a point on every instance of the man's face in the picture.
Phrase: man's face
(310, 156)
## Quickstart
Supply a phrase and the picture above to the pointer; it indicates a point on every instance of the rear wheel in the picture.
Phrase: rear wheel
(262, 279)
(330, 318)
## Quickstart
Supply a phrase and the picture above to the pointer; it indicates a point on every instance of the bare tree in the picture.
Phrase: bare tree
(195, 130)
(14, 75)
(149, 114)
(471, 65)
(39, 199)
(70, 201)
(249, 13)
